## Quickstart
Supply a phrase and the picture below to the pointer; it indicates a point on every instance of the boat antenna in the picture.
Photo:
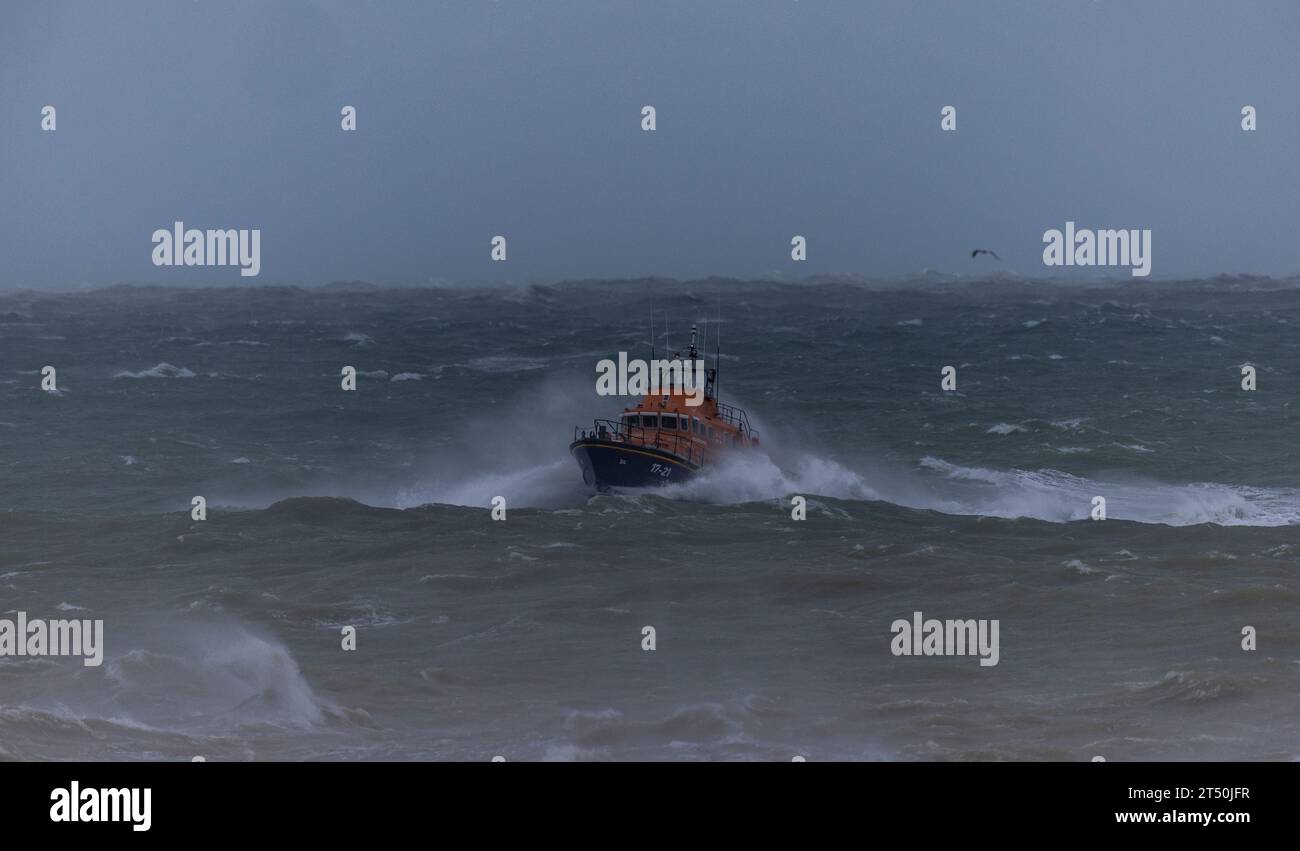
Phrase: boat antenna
(652, 333)
(717, 353)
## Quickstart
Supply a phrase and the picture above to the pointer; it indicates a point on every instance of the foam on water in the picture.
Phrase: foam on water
(1061, 497)
(752, 476)
(161, 370)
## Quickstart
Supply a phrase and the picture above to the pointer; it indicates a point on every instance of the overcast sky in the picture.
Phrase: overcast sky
(524, 119)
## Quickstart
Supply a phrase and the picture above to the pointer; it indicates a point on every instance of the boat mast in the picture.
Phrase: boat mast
(704, 347)
(717, 354)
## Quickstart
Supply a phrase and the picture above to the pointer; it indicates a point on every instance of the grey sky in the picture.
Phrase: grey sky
(523, 119)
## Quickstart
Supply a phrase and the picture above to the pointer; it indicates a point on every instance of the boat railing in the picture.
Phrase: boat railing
(681, 444)
(736, 417)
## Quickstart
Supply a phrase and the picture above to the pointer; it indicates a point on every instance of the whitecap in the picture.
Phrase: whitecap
(162, 370)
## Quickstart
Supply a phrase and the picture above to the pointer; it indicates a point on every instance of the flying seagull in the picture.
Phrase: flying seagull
(977, 252)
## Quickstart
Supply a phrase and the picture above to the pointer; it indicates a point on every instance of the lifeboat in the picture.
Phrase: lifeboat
(662, 439)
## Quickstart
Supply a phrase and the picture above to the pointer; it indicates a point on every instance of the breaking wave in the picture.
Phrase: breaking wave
(162, 370)
(1061, 497)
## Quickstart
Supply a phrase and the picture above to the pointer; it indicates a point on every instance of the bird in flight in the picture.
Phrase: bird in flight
(977, 252)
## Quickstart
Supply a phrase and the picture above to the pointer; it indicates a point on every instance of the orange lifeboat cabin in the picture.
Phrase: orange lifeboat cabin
(662, 439)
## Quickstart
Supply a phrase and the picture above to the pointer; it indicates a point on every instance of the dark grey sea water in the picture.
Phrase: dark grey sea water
(1118, 638)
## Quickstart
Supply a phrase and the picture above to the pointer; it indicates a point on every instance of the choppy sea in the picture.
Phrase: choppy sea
(1119, 638)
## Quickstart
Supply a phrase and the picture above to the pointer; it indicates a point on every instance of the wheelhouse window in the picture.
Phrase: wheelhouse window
(668, 421)
(651, 421)
(684, 424)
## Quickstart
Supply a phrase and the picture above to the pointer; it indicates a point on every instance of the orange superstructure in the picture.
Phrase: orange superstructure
(662, 438)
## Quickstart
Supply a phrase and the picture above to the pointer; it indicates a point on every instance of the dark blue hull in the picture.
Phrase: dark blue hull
(612, 464)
